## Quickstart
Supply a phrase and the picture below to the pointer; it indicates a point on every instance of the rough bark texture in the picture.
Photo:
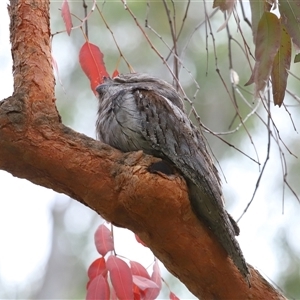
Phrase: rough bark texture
(36, 146)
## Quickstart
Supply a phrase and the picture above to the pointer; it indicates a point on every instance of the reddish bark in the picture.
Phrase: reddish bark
(36, 146)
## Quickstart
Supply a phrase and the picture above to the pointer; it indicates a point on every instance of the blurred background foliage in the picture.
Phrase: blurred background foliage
(267, 235)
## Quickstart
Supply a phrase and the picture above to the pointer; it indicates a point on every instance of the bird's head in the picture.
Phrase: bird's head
(138, 81)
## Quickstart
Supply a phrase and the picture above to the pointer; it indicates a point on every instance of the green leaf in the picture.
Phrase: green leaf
(297, 58)
(281, 64)
(257, 10)
(267, 43)
(290, 17)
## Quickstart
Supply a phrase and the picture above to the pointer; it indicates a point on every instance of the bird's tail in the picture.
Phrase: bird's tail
(221, 224)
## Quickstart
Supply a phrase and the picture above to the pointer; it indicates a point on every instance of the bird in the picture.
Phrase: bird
(138, 111)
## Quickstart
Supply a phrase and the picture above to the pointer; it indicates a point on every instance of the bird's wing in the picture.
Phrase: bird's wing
(175, 138)
(171, 132)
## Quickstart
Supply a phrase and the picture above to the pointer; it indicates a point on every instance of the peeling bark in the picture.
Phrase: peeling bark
(36, 146)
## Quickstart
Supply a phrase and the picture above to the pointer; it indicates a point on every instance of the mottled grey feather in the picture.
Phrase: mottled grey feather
(140, 112)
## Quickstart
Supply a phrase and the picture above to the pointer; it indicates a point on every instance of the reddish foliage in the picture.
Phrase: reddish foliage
(103, 240)
(98, 289)
(173, 297)
(98, 267)
(132, 282)
(66, 15)
(113, 295)
(115, 73)
(121, 277)
(156, 277)
(152, 293)
(138, 269)
(137, 293)
(91, 61)
(144, 283)
(139, 240)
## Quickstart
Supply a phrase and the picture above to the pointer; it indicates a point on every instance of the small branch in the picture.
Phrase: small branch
(86, 28)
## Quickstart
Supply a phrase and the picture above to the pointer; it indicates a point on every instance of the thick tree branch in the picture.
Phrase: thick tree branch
(36, 146)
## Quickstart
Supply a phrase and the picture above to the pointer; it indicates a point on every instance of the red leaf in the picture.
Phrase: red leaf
(137, 293)
(113, 295)
(138, 269)
(173, 297)
(115, 73)
(139, 240)
(121, 277)
(92, 64)
(103, 240)
(144, 283)
(156, 277)
(98, 289)
(66, 15)
(98, 267)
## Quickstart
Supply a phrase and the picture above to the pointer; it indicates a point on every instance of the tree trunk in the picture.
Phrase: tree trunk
(35, 145)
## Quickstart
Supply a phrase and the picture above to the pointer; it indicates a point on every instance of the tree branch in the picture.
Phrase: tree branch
(36, 146)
